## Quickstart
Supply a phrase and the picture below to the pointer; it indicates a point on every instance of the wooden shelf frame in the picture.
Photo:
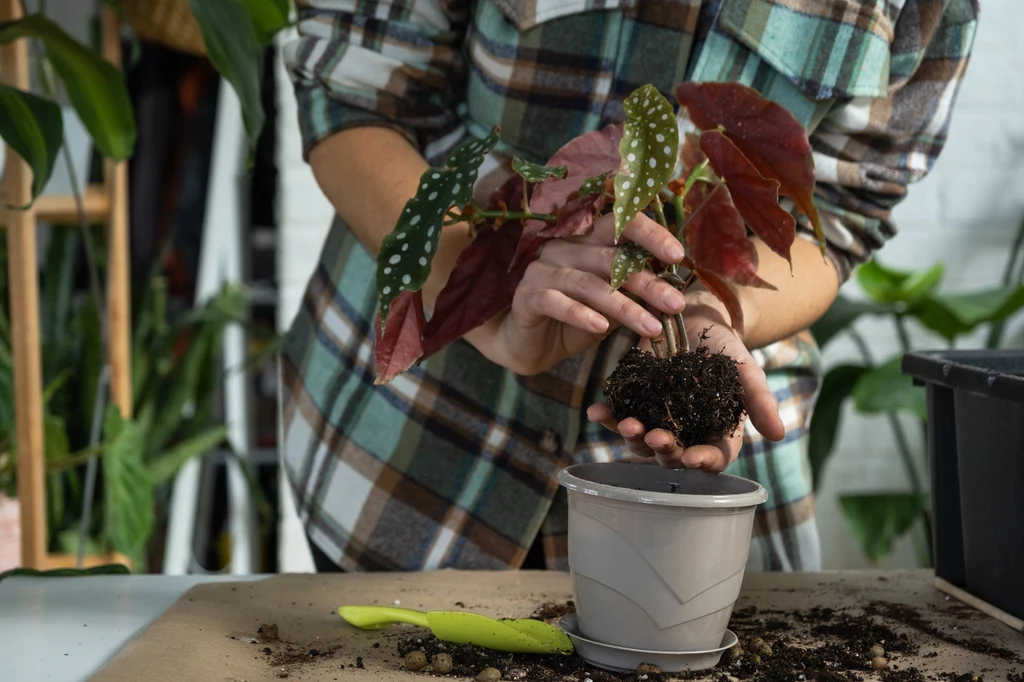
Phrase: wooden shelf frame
(106, 204)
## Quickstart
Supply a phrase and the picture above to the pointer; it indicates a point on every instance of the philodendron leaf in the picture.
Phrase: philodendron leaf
(532, 172)
(34, 128)
(650, 143)
(233, 47)
(886, 388)
(403, 263)
(594, 185)
(886, 285)
(952, 315)
(841, 315)
(128, 492)
(836, 387)
(630, 258)
(878, 520)
(96, 89)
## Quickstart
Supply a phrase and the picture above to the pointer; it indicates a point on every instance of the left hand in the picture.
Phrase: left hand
(702, 311)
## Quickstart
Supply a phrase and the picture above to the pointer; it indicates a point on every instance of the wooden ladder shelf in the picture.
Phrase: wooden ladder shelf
(105, 203)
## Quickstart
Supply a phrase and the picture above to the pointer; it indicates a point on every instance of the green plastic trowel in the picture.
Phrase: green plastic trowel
(521, 635)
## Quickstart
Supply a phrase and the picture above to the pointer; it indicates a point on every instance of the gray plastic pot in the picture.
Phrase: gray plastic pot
(657, 555)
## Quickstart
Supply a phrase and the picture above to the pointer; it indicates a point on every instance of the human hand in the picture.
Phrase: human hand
(705, 312)
(564, 303)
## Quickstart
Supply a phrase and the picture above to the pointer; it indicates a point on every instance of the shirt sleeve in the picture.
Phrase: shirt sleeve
(868, 151)
(396, 64)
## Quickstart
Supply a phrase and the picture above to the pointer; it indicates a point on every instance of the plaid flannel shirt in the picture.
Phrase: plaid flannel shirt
(453, 464)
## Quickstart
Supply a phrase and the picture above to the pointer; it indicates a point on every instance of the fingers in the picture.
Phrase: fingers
(662, 244)
(598, 259)
(662, 445)
(578, 298)
(760, 402)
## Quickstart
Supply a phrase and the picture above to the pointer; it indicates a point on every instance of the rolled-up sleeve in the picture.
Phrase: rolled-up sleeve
(867, 152)
(395, 64)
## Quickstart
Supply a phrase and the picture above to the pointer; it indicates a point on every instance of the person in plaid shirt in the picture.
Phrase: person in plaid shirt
(453, 464)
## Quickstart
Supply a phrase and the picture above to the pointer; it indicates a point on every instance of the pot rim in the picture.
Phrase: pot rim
(576, 484)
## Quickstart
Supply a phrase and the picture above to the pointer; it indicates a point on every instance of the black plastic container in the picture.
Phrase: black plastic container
(976, 448)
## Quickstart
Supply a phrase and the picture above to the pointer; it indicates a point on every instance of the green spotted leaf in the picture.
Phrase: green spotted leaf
(650, 143)
(630, 258)
(594, 185)
(532, 172)
(403, 263)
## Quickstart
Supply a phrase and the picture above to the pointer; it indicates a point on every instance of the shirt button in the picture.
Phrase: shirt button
(549, 441)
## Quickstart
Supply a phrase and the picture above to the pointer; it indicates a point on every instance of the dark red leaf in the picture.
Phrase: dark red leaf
(767, 134)
(588, 155)
(724, 292)
(481, 286)
(527, 251)
(691, 154)
(716, 238)
(756, 197)
(576, 217)
(402, 345)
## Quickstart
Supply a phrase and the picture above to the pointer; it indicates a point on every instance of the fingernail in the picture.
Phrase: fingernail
(651, 324)
(599, 323)
(674, 300)
(674, 252)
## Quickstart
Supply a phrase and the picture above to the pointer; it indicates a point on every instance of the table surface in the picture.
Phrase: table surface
(64, 629)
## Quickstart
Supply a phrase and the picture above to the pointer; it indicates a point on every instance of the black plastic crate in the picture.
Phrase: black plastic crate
(976, 449)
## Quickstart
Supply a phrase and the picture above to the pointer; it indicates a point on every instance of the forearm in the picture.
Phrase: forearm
(368, 174)
(800, 299)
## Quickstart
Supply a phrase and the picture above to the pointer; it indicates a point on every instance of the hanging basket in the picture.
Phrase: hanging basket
(167, 22)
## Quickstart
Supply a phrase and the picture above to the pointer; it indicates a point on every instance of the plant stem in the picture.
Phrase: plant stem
(677, 204)
(659, 211)
(658, 345)
(901, 332)
(703, 203)
(670, 335)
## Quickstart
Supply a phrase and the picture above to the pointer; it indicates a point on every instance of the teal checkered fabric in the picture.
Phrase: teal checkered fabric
(453, 464)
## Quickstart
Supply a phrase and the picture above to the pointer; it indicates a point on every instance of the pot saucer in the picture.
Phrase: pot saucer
(620, 659)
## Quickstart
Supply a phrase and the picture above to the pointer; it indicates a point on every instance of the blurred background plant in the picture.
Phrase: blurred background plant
(176, 374)
(877, 388)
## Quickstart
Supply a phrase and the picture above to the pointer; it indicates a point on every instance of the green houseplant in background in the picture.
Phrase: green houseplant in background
(174, 360)
(877, 387)
(176, 377)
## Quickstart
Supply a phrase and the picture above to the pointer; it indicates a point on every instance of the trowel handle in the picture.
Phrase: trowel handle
(373, 617)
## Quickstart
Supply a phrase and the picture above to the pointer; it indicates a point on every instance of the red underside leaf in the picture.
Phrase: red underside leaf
(576, 217)
(586, 156)
(400, 348)
(756, 197)
(767, 134)
(725, 293)
(716, 238)
(485, 277)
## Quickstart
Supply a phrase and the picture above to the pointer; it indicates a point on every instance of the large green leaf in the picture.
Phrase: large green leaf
(128, 493)
(886, 388)
(836, 387)
(403, 262)
(34, 128)
(269, 16)
(878, 520)
(233, 47)
(952, 315)
(96, 89)
(166, 465)
(885, 285)
(648, 150)
(841, 315)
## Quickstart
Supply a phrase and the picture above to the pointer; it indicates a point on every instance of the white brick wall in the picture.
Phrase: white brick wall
(967, 209)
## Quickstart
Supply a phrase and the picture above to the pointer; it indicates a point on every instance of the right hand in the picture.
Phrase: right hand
(564, 304)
